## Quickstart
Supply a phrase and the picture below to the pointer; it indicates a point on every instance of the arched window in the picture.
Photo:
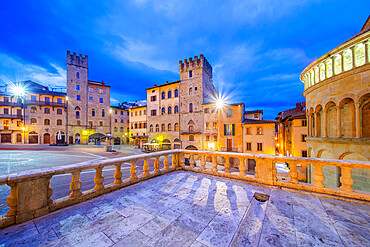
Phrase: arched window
(33, 109)
(176, 109)
(163, 127)
(151, 128)
(156, 128)
(59, 111)
(191, 122)
(33, 121)
(77, 115)
(169, 95)
(163, 95)
(191, 107)
(190, 90)
(176, 93)
(169, 127)
(135, 125)
(191, 138)
(191, 129)
(176, 127)
(46, 110)
(77, 108)
(163, 111)
(78, 75)
(169, 111)
(46, 121)
(59, 122)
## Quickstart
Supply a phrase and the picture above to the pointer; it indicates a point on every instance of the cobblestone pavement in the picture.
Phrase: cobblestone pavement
(191, 209)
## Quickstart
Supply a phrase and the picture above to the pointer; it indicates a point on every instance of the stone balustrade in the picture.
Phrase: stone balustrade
(30, 194)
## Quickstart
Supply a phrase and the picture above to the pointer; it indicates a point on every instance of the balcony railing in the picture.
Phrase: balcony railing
(11, 116)
(45, 103)
(24, 207)
(229, 149)
(12, 104)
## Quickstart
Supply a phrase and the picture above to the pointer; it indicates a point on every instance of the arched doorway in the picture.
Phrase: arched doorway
(177, 144)
(166, 144)
(19, 137)
(46, 138)
(191, 147)
(95, 138)
(33, 137)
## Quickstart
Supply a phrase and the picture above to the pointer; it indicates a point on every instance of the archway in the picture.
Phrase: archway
(33, 137)
(96, 138)
(176, 144)
(77, 138)
(46, 138)
(366, 120)
(347, 111)
(191, 147)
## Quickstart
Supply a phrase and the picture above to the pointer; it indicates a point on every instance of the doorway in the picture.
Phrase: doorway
(46, 138)
(6, 138)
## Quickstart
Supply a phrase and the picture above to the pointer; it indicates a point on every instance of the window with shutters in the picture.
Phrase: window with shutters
(248, 131)
(249, 146)
(229, 112)
(259, 131)
(229, 129)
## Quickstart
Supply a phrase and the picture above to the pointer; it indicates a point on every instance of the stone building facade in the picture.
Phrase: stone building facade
(120, 121)
(291, 132)
(138, 125)
(337, 92)
(37, 117)
(175, 109)
(88, 102)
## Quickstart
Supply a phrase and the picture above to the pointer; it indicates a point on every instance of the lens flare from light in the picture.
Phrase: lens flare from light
(18, 91)
(220, 103)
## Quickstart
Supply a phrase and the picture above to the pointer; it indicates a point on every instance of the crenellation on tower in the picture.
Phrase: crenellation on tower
(78, 60)
(195, 63)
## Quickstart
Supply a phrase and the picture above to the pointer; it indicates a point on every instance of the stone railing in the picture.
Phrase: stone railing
(30, 194)
(30, 191)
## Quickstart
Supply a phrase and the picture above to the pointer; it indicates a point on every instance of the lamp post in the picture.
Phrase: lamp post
(24, 134)
(66, 136)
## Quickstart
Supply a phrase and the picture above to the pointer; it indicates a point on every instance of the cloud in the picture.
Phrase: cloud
(140, 52)
(25, 71)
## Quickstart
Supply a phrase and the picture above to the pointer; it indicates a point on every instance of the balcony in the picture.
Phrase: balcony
(11, 116)
(182, 205)
(229, 149)
(44, 103)
(11, 104)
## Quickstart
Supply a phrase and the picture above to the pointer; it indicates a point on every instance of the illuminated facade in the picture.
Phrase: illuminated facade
(337, 92)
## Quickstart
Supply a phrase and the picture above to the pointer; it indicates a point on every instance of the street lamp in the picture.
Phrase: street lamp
(24, 135)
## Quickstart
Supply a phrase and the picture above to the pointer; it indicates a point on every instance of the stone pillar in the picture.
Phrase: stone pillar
(242, 167)
(146, 167)
(316, 132)
(342, 61)
(358, 120)
(339, 122)
(133, 170)
(325, 122)
(317, 176)
(75, 185)
(353, 56)
(165, 162)
(309, 125)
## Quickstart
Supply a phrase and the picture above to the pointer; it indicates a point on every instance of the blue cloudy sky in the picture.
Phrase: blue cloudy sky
(257, 48)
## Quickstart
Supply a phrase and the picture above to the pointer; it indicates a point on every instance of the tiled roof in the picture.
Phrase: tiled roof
(254, 111)
(162, 85)
(256, 121)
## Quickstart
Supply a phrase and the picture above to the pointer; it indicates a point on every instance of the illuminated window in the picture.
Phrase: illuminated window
(207, 138)
(46, 110)
(259, 131)
(176, 127)
(163, 111)
(347, 59)
(360, 54)
(329, 68)
(169, 127)
(248, 131)
(163, 127)
(33, 109)
(207, 126)
(169, 110)
(214, 125)
(176, 109)
(191, 138)
(337, 64)
(33, 121)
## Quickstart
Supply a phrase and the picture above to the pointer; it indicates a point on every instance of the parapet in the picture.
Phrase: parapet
(78, 60)
(195, 63)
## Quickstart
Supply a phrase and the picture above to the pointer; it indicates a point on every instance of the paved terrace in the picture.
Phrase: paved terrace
(184, 208)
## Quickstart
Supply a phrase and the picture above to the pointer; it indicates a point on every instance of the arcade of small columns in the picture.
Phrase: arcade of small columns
(355, 55)
(347, 118)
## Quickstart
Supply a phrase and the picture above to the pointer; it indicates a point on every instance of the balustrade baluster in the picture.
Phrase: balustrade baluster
(146, 167)
(192, 161)
(12, 201)
(118, 174)
(242, 167)
(156, 164)
(346, 179)
(293, 174)
(182, 160)
(165, 162)
(50, 192)
(75, 185)
(174, 160)
(227, 164)
(214, 163)
(202, 163)
(99, 179)
(133, 169)
(317, 176)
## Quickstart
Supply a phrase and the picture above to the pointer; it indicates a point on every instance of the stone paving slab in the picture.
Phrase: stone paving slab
(191, 209)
